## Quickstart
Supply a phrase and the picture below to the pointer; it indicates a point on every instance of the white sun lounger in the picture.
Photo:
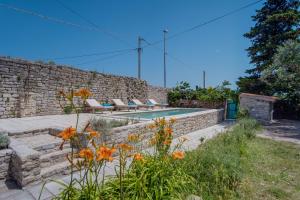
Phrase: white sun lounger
(95, 105)
(119, 104)
(153, 102)
(140, 104)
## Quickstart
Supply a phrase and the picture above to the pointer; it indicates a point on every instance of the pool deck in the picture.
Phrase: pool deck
(20, 125)
(51, 188)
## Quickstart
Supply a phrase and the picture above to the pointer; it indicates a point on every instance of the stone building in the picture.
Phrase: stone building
(259, 107)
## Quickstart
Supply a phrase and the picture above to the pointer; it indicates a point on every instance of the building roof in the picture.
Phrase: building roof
(259, 97)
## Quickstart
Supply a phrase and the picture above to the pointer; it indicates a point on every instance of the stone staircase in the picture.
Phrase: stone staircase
(52, 161)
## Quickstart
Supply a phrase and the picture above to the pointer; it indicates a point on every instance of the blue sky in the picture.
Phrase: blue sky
(218, 48)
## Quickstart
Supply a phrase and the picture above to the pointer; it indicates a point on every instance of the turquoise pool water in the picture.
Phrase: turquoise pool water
(162, 113)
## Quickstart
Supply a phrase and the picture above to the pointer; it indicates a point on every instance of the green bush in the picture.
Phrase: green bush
(216, 165)
(4, 140)
(68, 109)
(155, 178)
(210, 94)
(242, 113)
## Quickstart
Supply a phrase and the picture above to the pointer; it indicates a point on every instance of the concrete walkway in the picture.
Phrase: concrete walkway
(51, 189)
(282, 130)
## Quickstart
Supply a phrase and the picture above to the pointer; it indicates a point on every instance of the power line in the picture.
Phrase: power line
(105, 58)
(60, 21)
(88, 55)
(168, 54)
(44, 17)
(206, 23)
(112, 35)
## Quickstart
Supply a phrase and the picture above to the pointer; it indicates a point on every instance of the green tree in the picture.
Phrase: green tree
(284, 73)
(275, 23)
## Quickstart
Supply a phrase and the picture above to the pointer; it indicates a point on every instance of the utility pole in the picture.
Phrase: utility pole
(165, 53)
(203, 79)
(139, 49)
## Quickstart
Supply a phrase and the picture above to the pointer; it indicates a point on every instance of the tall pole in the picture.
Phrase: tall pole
(139, 49)
(204, 79)
(165, 53)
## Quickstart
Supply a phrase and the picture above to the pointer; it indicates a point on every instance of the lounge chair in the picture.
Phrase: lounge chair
(95, 105)
(119, 104)
(141, 105)
(153, 102)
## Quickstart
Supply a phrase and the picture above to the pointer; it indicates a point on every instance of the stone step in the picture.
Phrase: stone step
(54, 157)
(59, 169)
(43, 143)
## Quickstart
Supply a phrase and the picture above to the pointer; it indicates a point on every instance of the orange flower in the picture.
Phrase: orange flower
(169, 130)
(172, 120)
(167, 142)
(133, 138)
(94, 133)
(105, 153)
(138, 156)
(126, 147)
(83, 93)
(152, 126)
(68, 133)
(162, 121)
(182, 139)
(178, 155)
(86, 153)
(153, 141)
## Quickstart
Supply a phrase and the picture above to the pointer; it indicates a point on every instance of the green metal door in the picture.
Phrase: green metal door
(232, 109)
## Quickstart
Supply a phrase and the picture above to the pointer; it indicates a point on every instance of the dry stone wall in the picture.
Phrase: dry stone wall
(30, 89)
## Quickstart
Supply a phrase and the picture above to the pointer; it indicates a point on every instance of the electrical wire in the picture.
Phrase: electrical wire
(109, 33)
(105, 58)
(205, 23)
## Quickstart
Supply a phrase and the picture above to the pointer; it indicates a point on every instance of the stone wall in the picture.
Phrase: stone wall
(159, 94)
(5, 156)
(184, 124)
(30, 89)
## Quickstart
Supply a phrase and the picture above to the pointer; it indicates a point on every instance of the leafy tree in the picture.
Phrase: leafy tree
(284, 73)
(275, 23)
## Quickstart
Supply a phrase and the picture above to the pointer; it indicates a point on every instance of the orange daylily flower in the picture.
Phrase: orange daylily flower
(183, 139)
(86, 153)
(138, 156)
(152, 126)
(162, 121)
(68, 133)
(105, 153)
(172, 120)
(83, 93)
(126, 147)
(169, 130)
(167, 142)
(133, 137)
(178, 155)
(94, 133)
(153, 141)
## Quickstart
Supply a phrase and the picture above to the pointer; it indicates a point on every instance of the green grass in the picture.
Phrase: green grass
(238, 165)
(273, 171)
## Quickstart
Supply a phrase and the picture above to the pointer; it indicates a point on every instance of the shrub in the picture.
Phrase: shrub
(242, 113)
(216, 165)
(67, 109)
(4, 140)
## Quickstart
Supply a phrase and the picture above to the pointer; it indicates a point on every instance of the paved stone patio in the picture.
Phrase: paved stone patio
(51, 188)
(282, 130)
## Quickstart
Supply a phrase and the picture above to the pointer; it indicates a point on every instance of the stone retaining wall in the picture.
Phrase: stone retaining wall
(25, 164)
(5, 156)
(30, 89)
(184, 124)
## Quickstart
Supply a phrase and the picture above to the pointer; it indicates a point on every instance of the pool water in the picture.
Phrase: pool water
(162, 113)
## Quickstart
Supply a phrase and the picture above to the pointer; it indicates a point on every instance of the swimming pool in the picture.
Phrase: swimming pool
(161, 113)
